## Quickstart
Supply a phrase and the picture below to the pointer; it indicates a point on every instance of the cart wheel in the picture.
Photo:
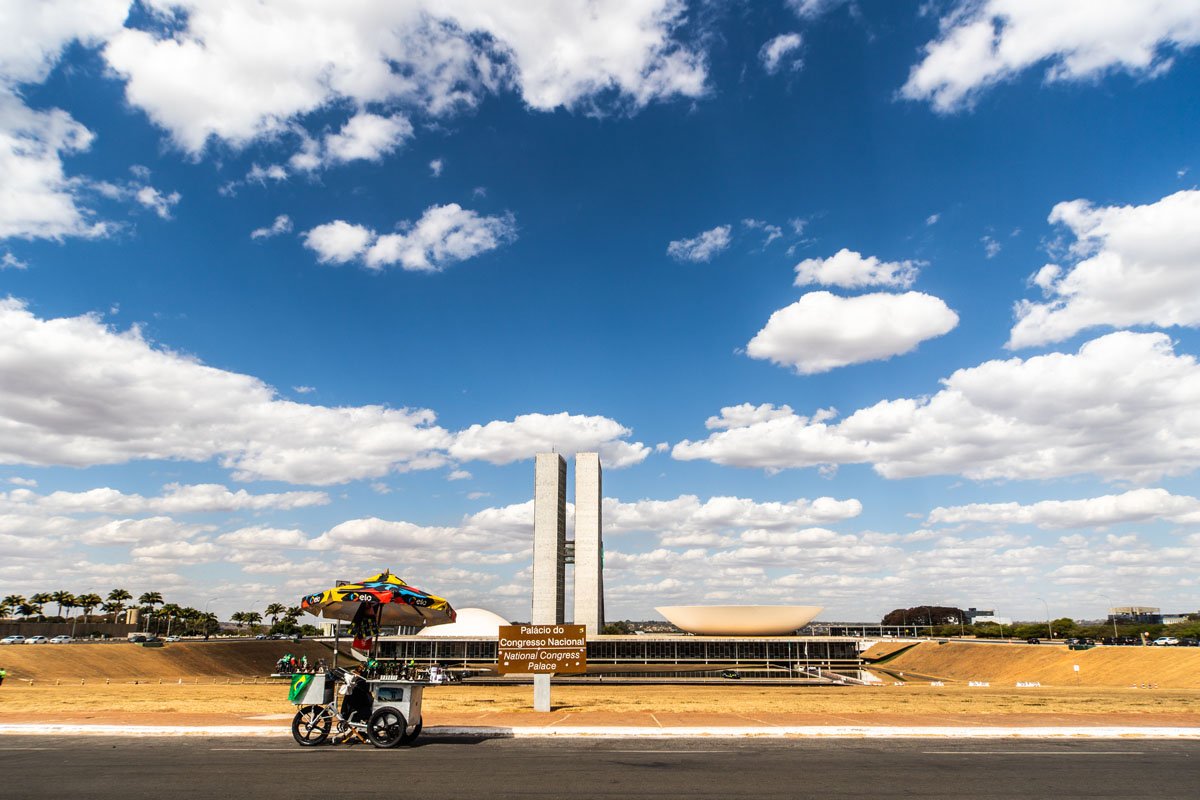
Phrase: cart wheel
(386, 727)
(409, 738)
(311, 725)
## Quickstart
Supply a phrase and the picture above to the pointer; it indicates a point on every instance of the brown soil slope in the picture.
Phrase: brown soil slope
(128, 662)
(884, 649)
(1166, 667)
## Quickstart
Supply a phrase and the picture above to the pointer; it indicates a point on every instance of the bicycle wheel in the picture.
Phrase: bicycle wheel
(311, 725)
(386, 727)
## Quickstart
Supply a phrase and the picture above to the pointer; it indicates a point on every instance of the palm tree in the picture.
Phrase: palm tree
(11, 603)
(253, 617)
(275, 610)
(60, 597)
(87, 602)
(147, 602)
(27, 609)
(40, 599)
(69, 602)
(239, 617)
(117, 598)
(171, 611)
(293, 613)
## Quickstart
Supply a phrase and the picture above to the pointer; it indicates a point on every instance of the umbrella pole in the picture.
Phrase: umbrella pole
(337, 642)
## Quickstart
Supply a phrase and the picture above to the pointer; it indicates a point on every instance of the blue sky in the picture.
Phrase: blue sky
(864, 304)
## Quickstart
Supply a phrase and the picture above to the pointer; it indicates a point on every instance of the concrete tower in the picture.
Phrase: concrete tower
(589, 545)
(549, 538)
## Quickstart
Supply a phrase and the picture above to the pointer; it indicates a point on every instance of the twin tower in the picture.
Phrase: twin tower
(551, 550)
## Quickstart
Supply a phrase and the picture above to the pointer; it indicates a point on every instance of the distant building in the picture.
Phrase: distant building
(1130, 615)
(976, 615)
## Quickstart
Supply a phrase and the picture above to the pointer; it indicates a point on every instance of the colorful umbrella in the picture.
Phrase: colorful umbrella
(384, 599)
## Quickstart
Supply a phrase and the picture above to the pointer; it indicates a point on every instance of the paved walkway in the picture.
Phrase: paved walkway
(644, 723)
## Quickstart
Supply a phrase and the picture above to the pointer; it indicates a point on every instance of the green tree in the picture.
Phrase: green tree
(12, 602)
(40, 599)
(117, 598)
(61, 597)
(275, 610)
(27, 609)
(6, 607)
(171, 612)
(87, 602)
(238, 618)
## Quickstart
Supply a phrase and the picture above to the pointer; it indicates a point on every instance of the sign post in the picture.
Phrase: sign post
(541, 650)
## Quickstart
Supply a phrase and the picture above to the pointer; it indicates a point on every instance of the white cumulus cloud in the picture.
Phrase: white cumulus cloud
(702, 247)
(1137, 505)
(74, 392)
(851, 270)
(502, 442)
(1048, 416)
(776, 50)
(227, 70)
(1134, 265)
(822, 331)
(982, 43)
(282, 224)
(442, 236)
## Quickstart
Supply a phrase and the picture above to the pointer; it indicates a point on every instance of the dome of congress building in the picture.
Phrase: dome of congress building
(470, 622)
(739, 620)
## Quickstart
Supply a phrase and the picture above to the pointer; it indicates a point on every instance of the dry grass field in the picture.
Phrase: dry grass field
(195, 681)
(913, 699)
(1165, 667)
(122, 661)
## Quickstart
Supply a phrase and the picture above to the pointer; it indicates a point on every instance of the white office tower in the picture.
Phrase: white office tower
(589, 545)
(549, 538)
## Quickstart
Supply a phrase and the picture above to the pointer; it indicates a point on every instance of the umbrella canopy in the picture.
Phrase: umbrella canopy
(385, 598)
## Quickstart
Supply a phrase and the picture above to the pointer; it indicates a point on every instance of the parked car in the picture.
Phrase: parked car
(1165, 641)
(36, 640)
(731, 674)
(138, 639)
(261, 636)
(1033, 640)
(172, 638)
(14, 639)
(61, 639)
(1188, 641)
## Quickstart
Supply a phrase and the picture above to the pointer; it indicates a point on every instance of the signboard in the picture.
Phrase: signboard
(542, 649)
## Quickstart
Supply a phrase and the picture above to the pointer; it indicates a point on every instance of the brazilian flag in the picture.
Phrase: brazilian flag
(299, 686)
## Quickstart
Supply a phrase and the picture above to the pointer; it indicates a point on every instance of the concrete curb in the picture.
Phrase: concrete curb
(781, 732)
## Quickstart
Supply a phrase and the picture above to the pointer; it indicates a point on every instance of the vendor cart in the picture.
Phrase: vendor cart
(394, 719)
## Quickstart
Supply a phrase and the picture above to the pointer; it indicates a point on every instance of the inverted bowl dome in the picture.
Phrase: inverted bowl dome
(470, 622)
(739, 620)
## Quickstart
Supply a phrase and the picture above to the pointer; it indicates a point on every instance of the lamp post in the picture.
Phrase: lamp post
(1111, 615)
(1049, 628)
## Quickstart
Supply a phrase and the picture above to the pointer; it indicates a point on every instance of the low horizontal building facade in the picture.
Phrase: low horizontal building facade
(655, 656)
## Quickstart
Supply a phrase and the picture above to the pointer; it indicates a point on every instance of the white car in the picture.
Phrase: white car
(1166, 641)
(36, 640)
(63, 639)
(14, 639)
(172, 638)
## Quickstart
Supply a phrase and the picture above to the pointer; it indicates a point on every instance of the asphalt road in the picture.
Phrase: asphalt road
(266, 767)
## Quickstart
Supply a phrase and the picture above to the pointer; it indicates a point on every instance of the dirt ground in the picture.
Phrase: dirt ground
(224, 658)
(1117, 667)
(21, 700)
